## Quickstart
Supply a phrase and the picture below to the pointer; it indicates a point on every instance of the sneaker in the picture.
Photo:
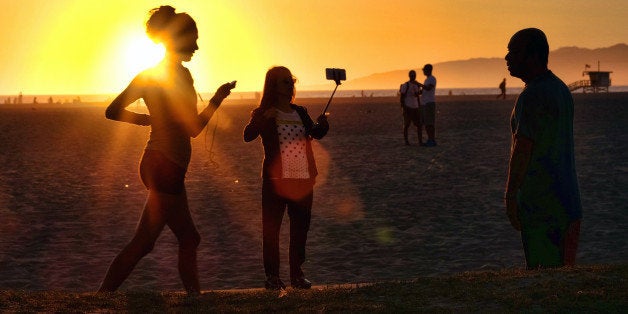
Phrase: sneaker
(430, 143)
(301, 283)
(274, 283)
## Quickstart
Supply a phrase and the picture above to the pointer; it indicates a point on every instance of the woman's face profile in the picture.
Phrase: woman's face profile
(185, 45)
(285, 83)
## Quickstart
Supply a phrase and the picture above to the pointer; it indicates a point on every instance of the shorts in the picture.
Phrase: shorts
(428, 113)
(411, 114)
(551, 246)
(161, 174)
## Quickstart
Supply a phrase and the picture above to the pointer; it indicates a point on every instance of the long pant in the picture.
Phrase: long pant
(296, 195)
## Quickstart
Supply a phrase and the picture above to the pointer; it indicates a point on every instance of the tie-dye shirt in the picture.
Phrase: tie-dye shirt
(544, 114)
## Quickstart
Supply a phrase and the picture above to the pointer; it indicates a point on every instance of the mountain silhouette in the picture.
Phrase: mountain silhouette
(568, 63)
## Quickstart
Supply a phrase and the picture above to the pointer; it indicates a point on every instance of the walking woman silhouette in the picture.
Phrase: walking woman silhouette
(168, 91)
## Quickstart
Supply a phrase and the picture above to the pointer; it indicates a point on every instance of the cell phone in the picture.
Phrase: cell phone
(336, 74)
(233, 84)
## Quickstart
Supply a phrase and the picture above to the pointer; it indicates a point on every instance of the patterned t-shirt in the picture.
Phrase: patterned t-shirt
(292, 143)
(544, 113)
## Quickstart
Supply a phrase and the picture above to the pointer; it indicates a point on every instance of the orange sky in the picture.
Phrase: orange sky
(93, 46)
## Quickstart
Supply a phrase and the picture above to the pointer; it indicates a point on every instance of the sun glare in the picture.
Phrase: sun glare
(141, 53)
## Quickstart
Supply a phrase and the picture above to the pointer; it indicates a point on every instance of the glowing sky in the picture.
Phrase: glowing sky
(93, 46)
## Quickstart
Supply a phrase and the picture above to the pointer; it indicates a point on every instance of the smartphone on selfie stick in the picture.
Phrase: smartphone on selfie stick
(335, 75)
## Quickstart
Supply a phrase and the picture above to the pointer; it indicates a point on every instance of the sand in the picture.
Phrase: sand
(70, 196)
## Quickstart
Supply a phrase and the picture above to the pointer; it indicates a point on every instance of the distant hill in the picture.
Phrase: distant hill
(567, 62)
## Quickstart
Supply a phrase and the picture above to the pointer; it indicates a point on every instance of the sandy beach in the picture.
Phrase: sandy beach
(70, 195)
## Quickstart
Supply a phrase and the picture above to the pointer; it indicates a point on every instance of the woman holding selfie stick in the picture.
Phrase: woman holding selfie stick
(168, 91)
(288, 172)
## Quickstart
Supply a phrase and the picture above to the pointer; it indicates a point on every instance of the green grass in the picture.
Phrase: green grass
(598, 288)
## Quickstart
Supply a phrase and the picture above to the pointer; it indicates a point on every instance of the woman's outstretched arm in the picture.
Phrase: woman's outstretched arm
(196, 127)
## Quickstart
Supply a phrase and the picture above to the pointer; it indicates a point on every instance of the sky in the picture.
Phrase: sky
(96, 47)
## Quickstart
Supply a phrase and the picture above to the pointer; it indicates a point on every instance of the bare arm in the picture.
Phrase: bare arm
(196, 127)
(426, 87)
(117, 109)
(517, 169)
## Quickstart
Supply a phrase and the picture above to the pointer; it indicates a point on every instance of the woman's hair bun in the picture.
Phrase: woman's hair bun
(158, 21)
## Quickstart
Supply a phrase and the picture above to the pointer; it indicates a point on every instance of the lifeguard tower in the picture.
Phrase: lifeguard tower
(598, 81)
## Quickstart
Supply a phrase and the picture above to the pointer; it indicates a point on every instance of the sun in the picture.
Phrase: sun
(141, 53)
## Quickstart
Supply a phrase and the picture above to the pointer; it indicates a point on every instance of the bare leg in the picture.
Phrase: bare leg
(182, 225)
(570, 245)
(148, 229)
(406, 125)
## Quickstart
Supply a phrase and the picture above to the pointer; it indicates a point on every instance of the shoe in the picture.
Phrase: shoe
(430, 143)
(301, 283)
(407, 143)
(274, 283)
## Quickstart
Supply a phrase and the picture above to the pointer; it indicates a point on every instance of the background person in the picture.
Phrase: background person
(410, 106)
(168, 91)
(502, 89)
(288, 172)
(428, 105)
(542, 195)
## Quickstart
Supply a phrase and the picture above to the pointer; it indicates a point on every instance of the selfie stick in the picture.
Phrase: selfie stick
(332, 95)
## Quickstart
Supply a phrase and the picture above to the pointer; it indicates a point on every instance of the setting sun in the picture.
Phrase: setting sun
(93, 47)
(139, 53)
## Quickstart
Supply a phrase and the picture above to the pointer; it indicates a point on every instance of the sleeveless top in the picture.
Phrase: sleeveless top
(171, 100)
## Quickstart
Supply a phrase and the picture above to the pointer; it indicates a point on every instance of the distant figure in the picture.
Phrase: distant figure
(409, 98)
(19, 98)
(34, 100)
(50, 100)
(502, 88)
(288, 172)
(428, 105)
(168, 92)
(542, 197)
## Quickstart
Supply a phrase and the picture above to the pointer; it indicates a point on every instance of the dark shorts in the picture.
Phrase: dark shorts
(551, 246)
(161, 174)
(411, 114)
(428, 113)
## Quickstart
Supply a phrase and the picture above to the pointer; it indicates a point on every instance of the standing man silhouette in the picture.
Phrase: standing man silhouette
(410, 106)
(428, 105)
(542, 197)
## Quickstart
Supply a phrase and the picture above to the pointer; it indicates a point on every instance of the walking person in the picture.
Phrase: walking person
(168, 91)
(542, 196)
(502, 89)
(288, 172)
(409, 92)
